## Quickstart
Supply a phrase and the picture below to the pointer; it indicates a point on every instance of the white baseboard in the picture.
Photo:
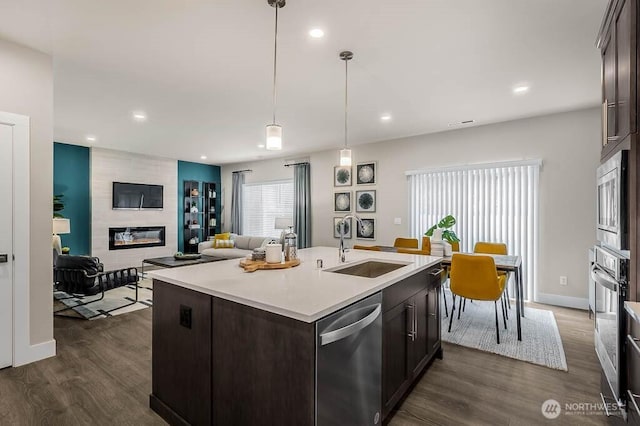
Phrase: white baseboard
(566, 301)
(35, 353)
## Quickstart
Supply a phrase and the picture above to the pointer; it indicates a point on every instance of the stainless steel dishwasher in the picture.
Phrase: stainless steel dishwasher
(349, 365)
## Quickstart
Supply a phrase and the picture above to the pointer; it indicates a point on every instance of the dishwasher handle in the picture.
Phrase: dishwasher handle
(346, 331)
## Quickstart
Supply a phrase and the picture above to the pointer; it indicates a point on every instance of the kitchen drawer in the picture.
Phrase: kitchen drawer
(401, 291)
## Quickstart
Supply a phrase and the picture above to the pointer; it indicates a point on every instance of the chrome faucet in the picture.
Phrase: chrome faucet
(341, 225)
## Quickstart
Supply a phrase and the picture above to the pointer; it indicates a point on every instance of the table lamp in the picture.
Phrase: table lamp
(60, 226)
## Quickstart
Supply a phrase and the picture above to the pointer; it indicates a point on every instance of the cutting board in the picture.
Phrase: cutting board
(253, 265)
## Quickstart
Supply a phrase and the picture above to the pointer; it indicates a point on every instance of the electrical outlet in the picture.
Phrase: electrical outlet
(397, 221)
(185, 316)
(563, 280)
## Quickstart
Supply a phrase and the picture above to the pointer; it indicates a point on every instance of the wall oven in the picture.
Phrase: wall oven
(609, 272)
(612, 207)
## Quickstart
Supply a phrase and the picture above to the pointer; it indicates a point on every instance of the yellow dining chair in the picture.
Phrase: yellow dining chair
(476, 278)
(410, 243)
(455, 247)
(495, 248)
(490, 248)
(372, 248)
(425, 250)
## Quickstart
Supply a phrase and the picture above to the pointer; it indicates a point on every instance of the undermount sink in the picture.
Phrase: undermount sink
(368, 269)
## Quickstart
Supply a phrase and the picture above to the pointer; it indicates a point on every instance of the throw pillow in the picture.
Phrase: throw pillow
(224, 236)
(224, 243)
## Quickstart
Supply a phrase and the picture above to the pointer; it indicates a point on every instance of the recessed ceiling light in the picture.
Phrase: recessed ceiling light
(203, 157)
(139, 116)
(385, 117)
(261, 146)
(518, 90)
(316, 33)
(91, 138)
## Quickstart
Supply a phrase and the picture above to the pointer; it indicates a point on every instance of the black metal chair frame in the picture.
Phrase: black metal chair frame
(103, 278)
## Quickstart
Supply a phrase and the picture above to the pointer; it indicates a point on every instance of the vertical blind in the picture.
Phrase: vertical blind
(492, 202)
(262, 203)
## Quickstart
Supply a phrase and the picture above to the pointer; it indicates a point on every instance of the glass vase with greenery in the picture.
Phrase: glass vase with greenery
(446, 223)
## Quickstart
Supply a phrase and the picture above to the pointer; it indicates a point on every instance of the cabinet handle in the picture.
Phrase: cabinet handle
(613, 138)
(632, 340)
(415, 324)
(412, 333)
(436, 273)
(632, 398)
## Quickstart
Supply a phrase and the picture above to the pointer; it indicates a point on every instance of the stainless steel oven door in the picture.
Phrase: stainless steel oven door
(611, 202)
(607, 325)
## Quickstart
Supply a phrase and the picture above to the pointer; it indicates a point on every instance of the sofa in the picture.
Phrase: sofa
(243, 245)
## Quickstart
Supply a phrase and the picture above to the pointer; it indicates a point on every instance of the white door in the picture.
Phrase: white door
(6, 245)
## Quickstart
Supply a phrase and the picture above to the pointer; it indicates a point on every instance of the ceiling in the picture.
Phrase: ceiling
(202, 70)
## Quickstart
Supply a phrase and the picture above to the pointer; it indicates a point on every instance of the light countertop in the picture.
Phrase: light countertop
(304, 292)
(633, 308)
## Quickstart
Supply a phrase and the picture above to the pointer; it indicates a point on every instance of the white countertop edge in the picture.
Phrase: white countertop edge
(292, 314)
(633, 309)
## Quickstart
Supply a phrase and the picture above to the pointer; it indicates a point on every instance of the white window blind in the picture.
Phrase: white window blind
(492, 202)
(262, 203)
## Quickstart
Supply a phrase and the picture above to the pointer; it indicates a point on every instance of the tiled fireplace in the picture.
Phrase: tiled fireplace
(136, 237)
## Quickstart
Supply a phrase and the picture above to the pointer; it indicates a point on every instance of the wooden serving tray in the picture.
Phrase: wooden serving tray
(253, 265)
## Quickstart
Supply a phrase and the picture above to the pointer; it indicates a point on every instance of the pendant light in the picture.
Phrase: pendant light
(273, 130)
(345, 153)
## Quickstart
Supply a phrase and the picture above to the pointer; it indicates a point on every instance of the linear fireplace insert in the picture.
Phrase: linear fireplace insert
(136, 237)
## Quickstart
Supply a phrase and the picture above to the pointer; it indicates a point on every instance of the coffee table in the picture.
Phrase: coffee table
(171, 262)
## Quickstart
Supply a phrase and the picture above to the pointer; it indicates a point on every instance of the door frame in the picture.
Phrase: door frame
(22, 351)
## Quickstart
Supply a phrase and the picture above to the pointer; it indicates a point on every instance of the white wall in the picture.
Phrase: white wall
(568, 144)
(108, 166)
(26, 87)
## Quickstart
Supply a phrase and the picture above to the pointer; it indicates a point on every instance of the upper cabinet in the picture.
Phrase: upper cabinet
(617, 42)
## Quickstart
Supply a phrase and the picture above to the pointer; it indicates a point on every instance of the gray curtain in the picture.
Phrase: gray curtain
(236, 202)
(302, 203)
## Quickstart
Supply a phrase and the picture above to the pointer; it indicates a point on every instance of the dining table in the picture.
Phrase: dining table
(505, 263)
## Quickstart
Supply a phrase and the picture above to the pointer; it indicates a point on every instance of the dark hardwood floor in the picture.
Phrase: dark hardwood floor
(102, 376)
(475, 387)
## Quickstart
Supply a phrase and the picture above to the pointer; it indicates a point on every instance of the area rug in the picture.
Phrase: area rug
(541, 343)
(112, 299)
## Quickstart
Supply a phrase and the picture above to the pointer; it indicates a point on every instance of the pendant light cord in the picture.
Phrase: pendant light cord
(346, 99)
(275, 59)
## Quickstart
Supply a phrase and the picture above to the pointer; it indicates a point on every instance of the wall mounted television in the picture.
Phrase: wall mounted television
(137, 196)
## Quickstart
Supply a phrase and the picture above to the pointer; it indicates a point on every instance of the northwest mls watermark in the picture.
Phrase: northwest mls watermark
(552, 409)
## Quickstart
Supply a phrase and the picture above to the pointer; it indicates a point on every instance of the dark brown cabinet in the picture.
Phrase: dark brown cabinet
(617, 42)
(395, 359)
(221, 362)
(182, 351)
(625, 62)
(410, 335)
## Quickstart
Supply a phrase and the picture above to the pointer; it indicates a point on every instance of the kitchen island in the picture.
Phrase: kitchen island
(231, 347)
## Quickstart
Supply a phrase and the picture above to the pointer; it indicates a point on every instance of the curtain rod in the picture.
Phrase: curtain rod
(296, 164)
(243, 171)
(498, 165)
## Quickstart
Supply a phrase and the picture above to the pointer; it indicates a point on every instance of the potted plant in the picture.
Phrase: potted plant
(58, 205)
(447, 233)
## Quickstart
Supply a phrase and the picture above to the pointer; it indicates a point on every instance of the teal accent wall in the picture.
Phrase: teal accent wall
(71, 177)
(202, 173)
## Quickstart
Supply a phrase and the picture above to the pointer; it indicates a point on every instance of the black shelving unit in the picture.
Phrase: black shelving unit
(200, 213)
(193, 220)
(210, 209)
